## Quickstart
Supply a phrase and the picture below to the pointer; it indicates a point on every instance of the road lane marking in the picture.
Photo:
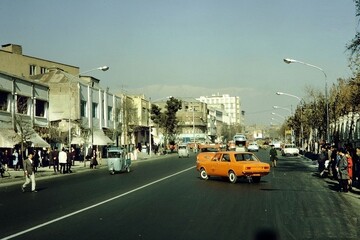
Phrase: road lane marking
(94, 205)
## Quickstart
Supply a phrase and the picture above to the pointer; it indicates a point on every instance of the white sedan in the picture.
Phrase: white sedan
(253, 147)
(290, 149)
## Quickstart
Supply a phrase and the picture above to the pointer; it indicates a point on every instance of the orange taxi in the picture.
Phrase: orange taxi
(231, 164)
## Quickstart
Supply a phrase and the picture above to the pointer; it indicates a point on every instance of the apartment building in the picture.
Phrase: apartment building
(231, 106)
(79, 106)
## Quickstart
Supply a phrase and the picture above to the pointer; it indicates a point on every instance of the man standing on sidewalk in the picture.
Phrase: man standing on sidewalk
(29, 173)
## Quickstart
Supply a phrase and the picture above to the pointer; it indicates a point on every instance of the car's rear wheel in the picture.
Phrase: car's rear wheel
(203, 174)
(232, 177)
(256, 179)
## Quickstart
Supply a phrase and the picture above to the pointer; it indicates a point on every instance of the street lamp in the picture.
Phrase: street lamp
(290, 95)
(288, 61)
(103, 68)
(277, 107)
(278, 115)
(300, 99)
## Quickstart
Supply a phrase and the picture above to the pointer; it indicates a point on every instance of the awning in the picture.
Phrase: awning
(78, 140)
(37, 141)
(8, 138)
(99, 138)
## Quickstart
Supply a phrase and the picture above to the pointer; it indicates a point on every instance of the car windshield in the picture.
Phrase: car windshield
(114, 154)
(182, 147)
(290, 146)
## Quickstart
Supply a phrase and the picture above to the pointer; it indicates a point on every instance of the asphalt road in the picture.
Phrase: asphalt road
(165, 199)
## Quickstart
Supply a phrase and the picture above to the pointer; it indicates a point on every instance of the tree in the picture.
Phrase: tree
(354, 45)
(166, 120)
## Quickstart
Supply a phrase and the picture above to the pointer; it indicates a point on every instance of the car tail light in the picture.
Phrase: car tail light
(266, 167)
(247, 168)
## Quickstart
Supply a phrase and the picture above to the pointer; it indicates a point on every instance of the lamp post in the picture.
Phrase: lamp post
(288, 61)
(301, 126)
(278, 115)
(290, 95)
(277, 107)
(103, 68)
(193, 120)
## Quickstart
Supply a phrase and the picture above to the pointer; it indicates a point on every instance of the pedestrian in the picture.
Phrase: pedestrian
(5, 159)
(15, 159)
(62, 160)
(29, 173)
(69, 161)
(73, 156)
(333, 162)
(357, 167)
(342, 168)
(54, 159)
(323, 156)
(36, 160)
(93, 159)
(350, 169)
(273, 156)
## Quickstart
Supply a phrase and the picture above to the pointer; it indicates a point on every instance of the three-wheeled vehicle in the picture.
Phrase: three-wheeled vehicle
(117, 160)
(183, 150)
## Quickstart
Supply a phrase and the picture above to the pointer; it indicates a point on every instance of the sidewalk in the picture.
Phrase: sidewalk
(46, 172)
(16, 177)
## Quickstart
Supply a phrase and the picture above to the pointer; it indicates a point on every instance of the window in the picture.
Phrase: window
(226, 158)
(22, 104)
(4, 101)
(95, 113)
(43, 70)
(32, 70)
(40, 108)
(110, 113)
(83, 109)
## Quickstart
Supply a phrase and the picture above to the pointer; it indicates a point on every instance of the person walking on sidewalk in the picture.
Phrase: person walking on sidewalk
(62, 160)
(273, 156)
(15, 159)
(342, 168)
(29, 173)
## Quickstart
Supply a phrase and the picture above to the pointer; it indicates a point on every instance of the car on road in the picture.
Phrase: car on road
(231, 164)
(183, 150)
(290, 150)
(253, 147)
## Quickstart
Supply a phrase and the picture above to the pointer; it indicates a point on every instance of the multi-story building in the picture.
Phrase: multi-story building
(71, 107)
(23, 111)
(13, 61)
(192, 120)
(81, 108)
(231, 106)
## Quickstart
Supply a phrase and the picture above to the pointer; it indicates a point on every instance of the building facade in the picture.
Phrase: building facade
(23, 112)
(231, 106)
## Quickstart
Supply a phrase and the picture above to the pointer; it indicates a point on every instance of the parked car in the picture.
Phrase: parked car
(290, 149)
(276, 144)
(253, 147)
(231, 164)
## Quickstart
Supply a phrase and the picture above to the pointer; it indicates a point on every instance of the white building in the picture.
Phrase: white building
(230, 105)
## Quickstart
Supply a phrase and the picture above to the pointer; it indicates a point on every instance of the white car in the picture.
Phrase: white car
(290, 149)
(253, 147)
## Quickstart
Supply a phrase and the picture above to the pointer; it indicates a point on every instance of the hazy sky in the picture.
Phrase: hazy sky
(192, 48)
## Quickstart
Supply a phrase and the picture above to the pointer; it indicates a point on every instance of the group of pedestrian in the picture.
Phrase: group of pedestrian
(341, 164)
(10, 160)
(62, 160)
